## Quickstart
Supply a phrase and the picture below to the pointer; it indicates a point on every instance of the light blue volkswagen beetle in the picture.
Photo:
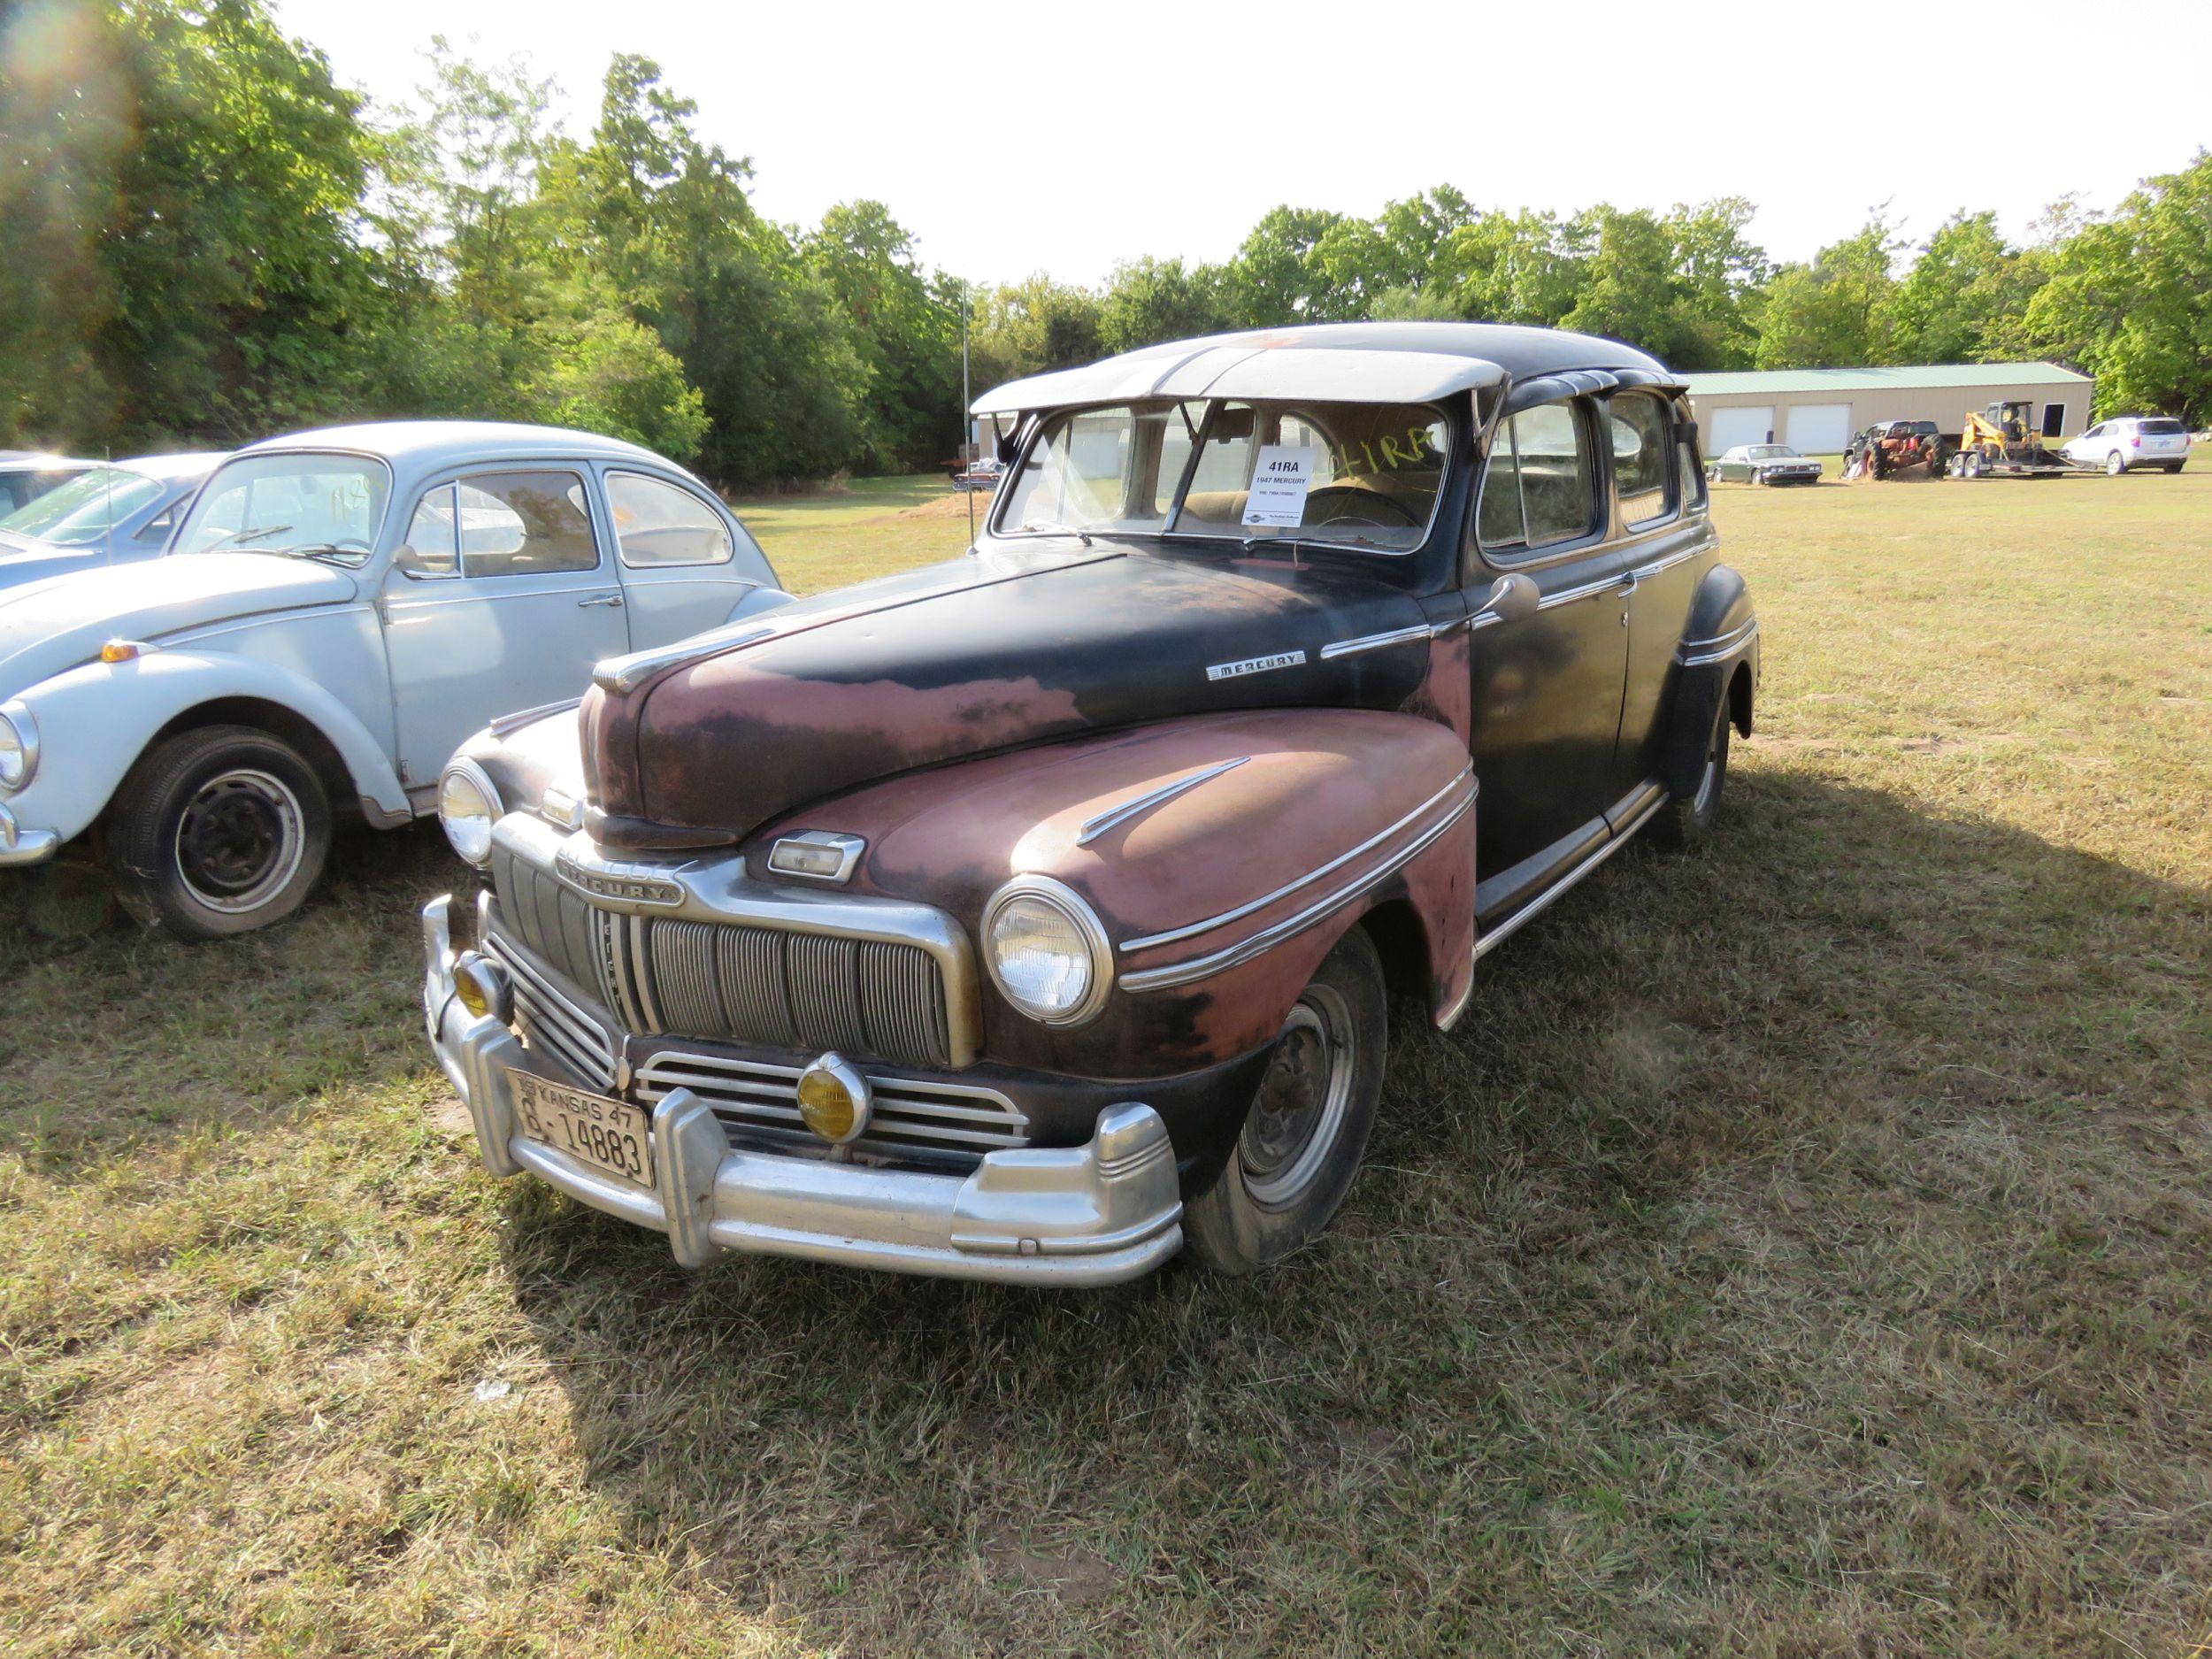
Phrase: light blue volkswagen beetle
(336, 611)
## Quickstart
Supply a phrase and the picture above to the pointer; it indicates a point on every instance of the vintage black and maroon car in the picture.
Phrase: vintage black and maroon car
(1031, 916)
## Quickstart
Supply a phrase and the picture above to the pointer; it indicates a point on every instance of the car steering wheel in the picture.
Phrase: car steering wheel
(1360, 497)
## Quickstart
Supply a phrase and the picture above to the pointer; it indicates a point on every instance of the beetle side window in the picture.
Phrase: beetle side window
(1639, 459)
(430, 533)
(1538, 489)
(524, 524)
(656, 523)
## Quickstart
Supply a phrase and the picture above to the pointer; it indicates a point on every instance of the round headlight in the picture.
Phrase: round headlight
(1046, 951)
(468, 806)
(19, 747)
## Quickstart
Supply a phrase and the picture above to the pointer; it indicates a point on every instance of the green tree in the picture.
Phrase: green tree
(1836, 313)
(181, 252)
(908, 333)
(1151, 300)
(1274, 278)
(1961, 294)
(1034, 324)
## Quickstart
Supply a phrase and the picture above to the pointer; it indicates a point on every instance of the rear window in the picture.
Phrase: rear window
(2161, 427)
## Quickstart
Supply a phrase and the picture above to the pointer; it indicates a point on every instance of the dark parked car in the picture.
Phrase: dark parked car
(1030, 917)
(1764, 464)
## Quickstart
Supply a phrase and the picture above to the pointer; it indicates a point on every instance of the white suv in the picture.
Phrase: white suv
(2127, 440)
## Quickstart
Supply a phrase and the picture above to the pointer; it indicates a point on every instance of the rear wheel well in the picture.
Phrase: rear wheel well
(1739, 699)
(287, 725)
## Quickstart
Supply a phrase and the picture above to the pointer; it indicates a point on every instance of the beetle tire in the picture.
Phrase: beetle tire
(1686, 819)
(271, 794)
(1236, 1226)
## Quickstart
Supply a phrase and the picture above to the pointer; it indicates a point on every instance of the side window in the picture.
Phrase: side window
(523, 524)
(1689, 474)
(430, 533)
(1639, 459)
(656, 523)
(157, 527)
(1538, 489)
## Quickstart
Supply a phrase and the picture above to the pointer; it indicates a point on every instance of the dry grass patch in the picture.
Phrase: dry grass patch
(1804, 1247)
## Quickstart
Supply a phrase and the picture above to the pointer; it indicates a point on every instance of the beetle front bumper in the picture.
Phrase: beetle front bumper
(1076, 1216)
(21, 846)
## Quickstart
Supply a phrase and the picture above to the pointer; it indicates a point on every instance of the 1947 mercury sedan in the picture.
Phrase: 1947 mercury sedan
(1031, 916)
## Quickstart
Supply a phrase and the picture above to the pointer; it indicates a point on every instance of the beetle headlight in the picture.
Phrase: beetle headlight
(468, 806)
(1046, 951)
(19, 747)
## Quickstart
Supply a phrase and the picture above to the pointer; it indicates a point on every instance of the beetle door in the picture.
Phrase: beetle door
(1546, 708)
(501, 599)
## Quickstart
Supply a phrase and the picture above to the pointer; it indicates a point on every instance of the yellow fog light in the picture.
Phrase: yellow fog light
(482, 987)
(834, 1099)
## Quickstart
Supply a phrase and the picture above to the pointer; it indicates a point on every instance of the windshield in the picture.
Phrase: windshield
(83, 508)
(1771, 451)
(1356, 475)
(316, 506)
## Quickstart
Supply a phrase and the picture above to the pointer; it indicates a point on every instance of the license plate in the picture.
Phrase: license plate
(607, 1135)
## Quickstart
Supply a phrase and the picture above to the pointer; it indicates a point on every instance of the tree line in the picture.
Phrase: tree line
(203, 238)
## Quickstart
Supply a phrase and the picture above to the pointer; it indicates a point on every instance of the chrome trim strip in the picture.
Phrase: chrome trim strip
(1267, 939)
(1696, 654)
(1289, 887)
(1136, 807)
(716, 888)
(1647, 570)
(629, 673)
(1374, 641)
(1506, 929)
(1588, 590)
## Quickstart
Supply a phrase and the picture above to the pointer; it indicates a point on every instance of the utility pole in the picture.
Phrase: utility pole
(966, 420)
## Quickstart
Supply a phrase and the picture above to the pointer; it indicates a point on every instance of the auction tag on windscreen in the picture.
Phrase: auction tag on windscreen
(1280, 483)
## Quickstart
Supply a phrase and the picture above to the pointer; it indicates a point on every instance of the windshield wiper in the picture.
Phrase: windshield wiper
(240, 535)
(1053, 528)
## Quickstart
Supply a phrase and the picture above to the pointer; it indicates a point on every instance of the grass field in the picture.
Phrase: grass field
(1804, 1247)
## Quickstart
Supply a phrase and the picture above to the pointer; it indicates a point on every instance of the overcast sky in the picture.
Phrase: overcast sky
(1067, 136)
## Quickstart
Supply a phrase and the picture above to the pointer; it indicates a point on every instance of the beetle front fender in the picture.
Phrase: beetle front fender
(95, 721)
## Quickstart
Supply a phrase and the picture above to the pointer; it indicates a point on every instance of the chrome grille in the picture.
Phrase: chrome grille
(551, 1021)
(949, 1121)
(735, 981)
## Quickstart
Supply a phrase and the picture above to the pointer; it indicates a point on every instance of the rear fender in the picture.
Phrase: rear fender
(1721, 639)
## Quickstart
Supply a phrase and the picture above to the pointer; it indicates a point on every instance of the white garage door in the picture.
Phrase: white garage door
(1819, 428)
(1728, 427)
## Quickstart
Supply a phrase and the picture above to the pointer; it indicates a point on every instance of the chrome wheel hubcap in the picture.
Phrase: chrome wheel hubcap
(1299, 1110)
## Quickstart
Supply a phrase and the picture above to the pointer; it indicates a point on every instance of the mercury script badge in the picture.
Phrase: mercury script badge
(606, 885)
(1256, 665)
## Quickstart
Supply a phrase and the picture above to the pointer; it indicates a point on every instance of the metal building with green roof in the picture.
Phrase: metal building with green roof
(1817, 409)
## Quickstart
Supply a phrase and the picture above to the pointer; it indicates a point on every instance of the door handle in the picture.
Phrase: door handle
(1628, 584)
(612, 601)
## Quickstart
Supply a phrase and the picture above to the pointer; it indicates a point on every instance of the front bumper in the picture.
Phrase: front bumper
(21, 846)
(1077, 1215)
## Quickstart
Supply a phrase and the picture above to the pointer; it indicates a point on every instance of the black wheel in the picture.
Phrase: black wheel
(2172, 467)
(1687, 819)
(1308, 1122)
(216, 832)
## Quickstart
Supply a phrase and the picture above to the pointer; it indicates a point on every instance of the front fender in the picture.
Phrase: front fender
(1224, 854)
(95, 721)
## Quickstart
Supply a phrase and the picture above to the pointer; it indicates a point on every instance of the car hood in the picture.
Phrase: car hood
(49, 625)
(985, 653)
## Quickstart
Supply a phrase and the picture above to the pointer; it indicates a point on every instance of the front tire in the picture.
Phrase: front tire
(218, 831)
(1308, 1122)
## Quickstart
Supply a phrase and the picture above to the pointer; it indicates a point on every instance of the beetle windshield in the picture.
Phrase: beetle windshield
(1363, 476)
(313, 506)
(82, 509)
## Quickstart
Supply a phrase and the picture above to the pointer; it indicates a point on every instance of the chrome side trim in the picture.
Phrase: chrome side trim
(1587, 590)
(1644, 571)
(1697, 653)
(1374, 641)
(507, 725)
(1139, 805)
(716, 888)
(1289, 887)
(1267, 939)
(1505, 930)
